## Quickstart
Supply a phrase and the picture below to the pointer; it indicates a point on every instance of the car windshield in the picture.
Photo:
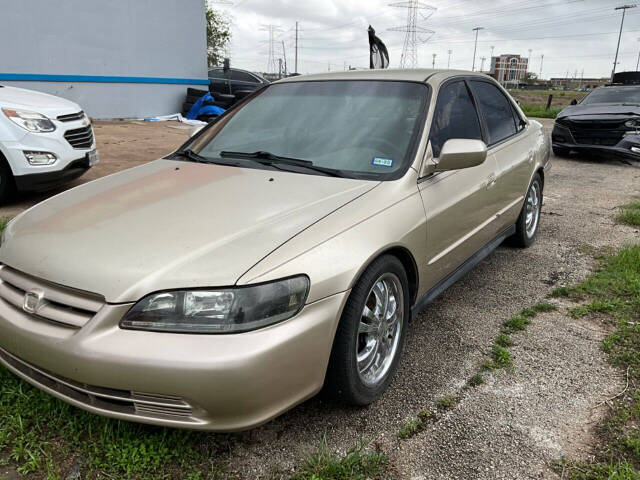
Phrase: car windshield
(366, 129)
(629, 94)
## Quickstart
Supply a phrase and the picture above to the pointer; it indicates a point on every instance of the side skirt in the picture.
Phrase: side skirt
(461, 271)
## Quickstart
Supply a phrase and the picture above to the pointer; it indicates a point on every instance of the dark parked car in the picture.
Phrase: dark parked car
(605, 121)
(234, 81)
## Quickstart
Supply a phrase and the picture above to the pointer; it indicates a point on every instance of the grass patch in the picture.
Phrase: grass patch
(476, 380)
(516, 323)
(503, 340)
(500, 358)
(614, 290)
(630, 214)
(447, 402)
(544, 307)
(357, 464)
(539, 111)
(415, 425)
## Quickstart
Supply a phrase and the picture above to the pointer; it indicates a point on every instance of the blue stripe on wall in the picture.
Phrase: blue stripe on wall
(37, 77)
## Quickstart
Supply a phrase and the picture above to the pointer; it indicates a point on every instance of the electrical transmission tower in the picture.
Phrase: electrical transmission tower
(414, 33)
(272, 63)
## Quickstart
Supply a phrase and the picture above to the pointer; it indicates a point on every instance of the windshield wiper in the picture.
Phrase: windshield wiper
(193, 156)
(268, 158)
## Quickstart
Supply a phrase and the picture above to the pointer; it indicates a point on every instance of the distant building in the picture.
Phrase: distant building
(574, 83)
(509, 69)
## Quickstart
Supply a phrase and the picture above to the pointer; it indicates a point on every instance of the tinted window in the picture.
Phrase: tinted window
(364, 127)
(243, 76)
(216, 73)
(613, 95)
(496, 110)
(455, 117)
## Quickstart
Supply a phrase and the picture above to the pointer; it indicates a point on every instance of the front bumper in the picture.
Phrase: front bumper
(67, 157)
(205, 382)
(562, 137)
(42, 181)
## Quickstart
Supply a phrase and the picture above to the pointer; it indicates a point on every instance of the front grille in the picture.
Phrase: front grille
(109, 399)
(595, 132)
(80, 137)
(70, 117)
(62, 305)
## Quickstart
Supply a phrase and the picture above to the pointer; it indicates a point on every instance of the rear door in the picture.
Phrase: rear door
(509, 143)
(461, 204)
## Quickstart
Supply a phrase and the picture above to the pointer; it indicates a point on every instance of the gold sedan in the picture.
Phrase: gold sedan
(283, 248)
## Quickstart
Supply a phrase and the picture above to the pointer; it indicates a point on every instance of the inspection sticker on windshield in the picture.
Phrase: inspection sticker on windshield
(382, 162)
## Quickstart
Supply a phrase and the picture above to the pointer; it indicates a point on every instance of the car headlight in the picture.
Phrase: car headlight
(633, 123)
(229, 310)
(32, 121)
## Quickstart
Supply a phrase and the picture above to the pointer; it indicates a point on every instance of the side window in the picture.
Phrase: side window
(216, 73)
(242, 76)
(454, 117)
(496, 110)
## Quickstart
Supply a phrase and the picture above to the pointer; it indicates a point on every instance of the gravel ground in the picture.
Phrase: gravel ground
(519, 421)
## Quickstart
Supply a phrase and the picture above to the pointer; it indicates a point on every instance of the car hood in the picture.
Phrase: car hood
(44, 103)
(167, 225)
(600, 110)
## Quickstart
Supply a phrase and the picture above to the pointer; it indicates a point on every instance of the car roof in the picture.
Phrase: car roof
(399, 74)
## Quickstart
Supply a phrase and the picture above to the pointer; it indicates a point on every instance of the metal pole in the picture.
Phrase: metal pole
(433, 62)
(449, 59)
(541, 60)
(615, 61)
(475, 46)
(638, 62)
(296, 61)
(284, 54)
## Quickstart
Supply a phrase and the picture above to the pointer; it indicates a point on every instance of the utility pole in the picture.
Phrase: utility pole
(284, 55)
(624, 10)
(416, 10)
(475, 46)
(482, 63)
(296, 61)
(272, 64)
(433, 62)
(449, 59)
(638, 62)
(541, 60)
(492, 47)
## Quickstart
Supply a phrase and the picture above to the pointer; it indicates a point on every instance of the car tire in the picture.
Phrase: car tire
(7, 182)
(560, 151)
(529, 218)
(196, 92)
(348, 379)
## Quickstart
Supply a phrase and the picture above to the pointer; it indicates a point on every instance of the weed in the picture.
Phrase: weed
(544, 307)
(503, 340)
(516, 323)
(540, 111)
(630, 214)
(355, 465)
(415, 425)
(528, 312)
(447, 402)
(560, 292)
(476, 380)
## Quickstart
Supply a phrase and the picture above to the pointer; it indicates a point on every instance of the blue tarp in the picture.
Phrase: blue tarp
(200, 109)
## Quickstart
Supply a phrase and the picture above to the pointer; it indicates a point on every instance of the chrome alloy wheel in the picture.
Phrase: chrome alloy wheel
(380, 329)
(532, 209)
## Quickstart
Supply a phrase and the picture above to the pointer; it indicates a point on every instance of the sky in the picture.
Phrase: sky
(574, 36)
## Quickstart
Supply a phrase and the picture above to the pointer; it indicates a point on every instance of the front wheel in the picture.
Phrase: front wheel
(371, 334)
(529, 219)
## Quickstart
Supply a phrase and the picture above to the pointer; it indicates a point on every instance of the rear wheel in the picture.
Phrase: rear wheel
(371, 334)
(529, 219)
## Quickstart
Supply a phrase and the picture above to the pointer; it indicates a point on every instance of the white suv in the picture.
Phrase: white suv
(44, 141)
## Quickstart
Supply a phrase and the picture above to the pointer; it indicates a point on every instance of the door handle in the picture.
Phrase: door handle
(491, 180)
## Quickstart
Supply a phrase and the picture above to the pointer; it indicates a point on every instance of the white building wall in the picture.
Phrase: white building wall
(117, 58)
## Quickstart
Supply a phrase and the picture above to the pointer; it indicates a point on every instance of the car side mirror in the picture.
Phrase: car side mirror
(574, 102)
(460, 153)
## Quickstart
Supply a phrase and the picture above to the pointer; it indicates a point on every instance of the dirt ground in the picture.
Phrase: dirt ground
(519, 421)
(539, 97)
(120, 145)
